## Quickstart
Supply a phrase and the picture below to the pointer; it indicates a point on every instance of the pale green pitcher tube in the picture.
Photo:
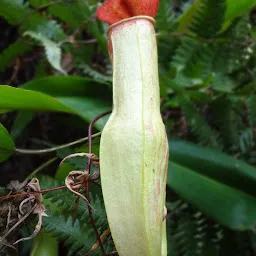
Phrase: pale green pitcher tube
(134, 148)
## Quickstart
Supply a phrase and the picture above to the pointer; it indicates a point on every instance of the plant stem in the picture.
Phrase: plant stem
(41, 167)
(87, 190)
(53, 149)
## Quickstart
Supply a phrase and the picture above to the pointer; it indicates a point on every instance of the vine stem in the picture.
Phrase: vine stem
(87, 190)
(43, 191)
(41, 167)
(53, 149)
(36, 192)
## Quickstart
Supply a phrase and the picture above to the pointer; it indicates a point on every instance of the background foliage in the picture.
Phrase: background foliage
(57, 76)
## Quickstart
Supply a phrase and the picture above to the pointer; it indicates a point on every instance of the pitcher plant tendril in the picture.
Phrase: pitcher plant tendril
(133, 147)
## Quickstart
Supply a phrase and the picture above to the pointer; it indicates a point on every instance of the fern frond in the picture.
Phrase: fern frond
(167, 47)
(97, 76)
(234, 52)
(78, 239)
(209, 17)
(237, 243)
(200, 65)
(80, 236)
(185, 53)
(165, 20)
(227, 120)
(190, 232)
(223, 83)
(199, 126)
(65, 200)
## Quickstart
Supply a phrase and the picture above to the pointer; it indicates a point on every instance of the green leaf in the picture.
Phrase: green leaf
(78, 239)
(232, 54)
(77, 13)
(73, 14)
(6, 144)
(238, 8)
(165, 19)
(233, 10)
(95, 75)
(39, 3)
(214, 164)
(52, 50)
(69, 94)
(186, 53)
(204, 17)
(16, 98)
(44, 244)
(88, 98)
(198, 124)
(43, 26)
(208, 18)
(78, 235)
(228, 206)
(186, 18)
(228, 120)
(223, 83)
(12, 52)
(14, 11)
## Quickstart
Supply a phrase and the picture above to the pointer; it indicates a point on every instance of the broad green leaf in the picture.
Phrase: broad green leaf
(85, 97)
(44, 244)
(228, 206)
(68, 94)
(87, 107)
(14, 11)
(214, 164)
(69, 86)
(6, 144)
(73, 14)
(52, 50)
(21, 99)
(12, 52)
(238, 8)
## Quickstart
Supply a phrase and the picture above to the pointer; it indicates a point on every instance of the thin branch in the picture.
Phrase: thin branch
(71, 40)
(35, 192)
(53, 149)
(43, 191)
